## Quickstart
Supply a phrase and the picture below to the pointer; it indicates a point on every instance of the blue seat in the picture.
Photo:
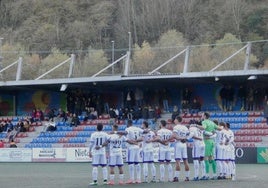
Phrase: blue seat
(15, 118)
(61, 123)
(244, 114)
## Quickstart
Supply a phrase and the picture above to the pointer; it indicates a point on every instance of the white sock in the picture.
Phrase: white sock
(170, 172)
(162, 171)
(233, 168)
(187, 174)
(196, 168)
(224, 168)
(112, 177)
(177, 174)
(105, 173)
(131, 171)
(203, 168)
(229, 168)
(153, 169)
(145, 170)
(219, 167)
(121, 177)
(138, 171)
(95, 173)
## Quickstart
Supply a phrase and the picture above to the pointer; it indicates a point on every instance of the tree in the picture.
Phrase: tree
(94, 61)
(223, 50)
(142, 59)
(201, 59)
(169, 44)
(52, 60)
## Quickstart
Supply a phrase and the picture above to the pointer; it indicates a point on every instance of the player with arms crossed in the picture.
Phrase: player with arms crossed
(164, 136)
(97, 151)
(230, 152)
(180, 133)
(148, 152)
(134, 138)
(115, 142)
(209, 128)
(198, 151)
(220, 154)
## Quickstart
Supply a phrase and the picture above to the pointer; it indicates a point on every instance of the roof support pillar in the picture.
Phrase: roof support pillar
(18, 75)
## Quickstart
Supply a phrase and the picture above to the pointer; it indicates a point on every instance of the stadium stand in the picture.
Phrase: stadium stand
(250, 130)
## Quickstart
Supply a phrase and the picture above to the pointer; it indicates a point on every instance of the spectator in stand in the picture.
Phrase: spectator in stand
(112, 113)
(33, 116)
(265, 112)
(51, 126)
(259, 96)
(2, 145)
(145, 113)
(130, 114)
(242, 97)
(83, 106)
(138, 97)
(129, 99)
(12, 134)
(77, 105)
(20, 126)
(195, 106)
(50, 114)
(124, 113)
(8, 126)
(74, 120)
(137, 113)
(39, 116)
(175, 113)
(151, 113)
(61, 116)
(2, 127)
(120, 114)
(26, 125)
(93, 114)
(250, 99)
(185, 107)
(157, 112)
(266, 93)
(70, 103)
(229, 98)
(12, 144)
(186, 95)
(164, 95)
(223, 96)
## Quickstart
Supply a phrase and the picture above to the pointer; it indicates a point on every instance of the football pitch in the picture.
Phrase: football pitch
(78, 175)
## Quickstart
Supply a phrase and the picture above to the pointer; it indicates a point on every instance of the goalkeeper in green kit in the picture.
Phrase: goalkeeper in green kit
(209, 128)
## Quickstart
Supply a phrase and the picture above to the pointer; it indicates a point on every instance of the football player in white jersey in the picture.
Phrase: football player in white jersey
(134, 139)
(230, 150)
(148, 152)
(164, 136)
(115, 155)
(97, 151)
(180, 133)
(220, 154)
(198, 150)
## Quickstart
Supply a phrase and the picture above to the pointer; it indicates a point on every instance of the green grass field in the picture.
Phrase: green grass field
(78, 175)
